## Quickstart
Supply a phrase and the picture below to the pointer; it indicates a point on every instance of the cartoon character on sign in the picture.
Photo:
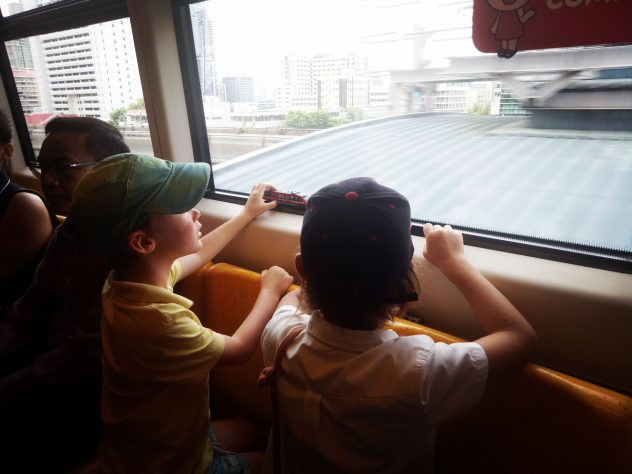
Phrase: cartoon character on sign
(509, 24)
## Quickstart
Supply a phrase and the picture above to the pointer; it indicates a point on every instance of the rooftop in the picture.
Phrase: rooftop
(485, 172)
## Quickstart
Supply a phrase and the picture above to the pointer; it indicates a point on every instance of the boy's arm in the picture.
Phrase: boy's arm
(242, 344)
(511, 338)
(216, 240)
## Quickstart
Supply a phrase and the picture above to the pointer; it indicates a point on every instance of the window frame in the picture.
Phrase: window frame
(548, 249)
(193, 92)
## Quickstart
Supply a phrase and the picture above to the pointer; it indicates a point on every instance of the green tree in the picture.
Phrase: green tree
(295, 119)
(320, 119)
(139, 104)
(117, 116)
(352, 114)
(480, 108)
(309, 120)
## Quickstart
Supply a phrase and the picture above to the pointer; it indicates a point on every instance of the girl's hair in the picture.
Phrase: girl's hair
(358, 312)
(356, 252)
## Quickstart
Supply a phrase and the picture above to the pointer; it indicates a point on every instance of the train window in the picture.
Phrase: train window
(529, 151)
(16, 7)
(73, 71)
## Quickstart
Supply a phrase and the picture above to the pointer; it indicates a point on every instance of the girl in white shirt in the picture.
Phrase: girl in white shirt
(353, 397)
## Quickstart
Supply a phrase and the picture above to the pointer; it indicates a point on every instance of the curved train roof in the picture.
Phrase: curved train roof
(485, 172)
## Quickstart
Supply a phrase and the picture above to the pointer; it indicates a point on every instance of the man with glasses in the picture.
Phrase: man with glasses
(50, 343)
(71, 147)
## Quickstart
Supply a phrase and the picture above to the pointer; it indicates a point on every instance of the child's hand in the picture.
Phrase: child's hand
(255, 206)
(276, 280)
(444, 246)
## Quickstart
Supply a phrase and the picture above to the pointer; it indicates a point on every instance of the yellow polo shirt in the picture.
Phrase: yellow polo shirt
(156, 362)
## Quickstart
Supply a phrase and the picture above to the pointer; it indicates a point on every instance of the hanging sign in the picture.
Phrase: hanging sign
(508, 26)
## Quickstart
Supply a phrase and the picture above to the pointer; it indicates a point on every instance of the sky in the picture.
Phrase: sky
(248, 28)
(252, 36)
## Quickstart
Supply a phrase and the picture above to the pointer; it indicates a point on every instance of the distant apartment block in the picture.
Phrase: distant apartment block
(328, 65)
(28, 89)
(89, 71)
(505, 102)
(335, 92)
(450, 97)
(20, 55)
(322, 82)
(297, 89)
(238, 89)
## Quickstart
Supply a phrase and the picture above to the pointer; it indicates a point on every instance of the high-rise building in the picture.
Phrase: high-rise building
(322, 82)
(329, 65)
(297, 90)
(202, 27)
(90, 70)
(28, 90)
(450, 97)
(340, 92)
(20, 55)
(238, 89)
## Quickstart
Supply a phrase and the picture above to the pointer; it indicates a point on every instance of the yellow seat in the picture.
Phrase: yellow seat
(536, 421)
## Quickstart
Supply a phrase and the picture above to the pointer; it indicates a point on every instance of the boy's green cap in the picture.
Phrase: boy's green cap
(121, 191)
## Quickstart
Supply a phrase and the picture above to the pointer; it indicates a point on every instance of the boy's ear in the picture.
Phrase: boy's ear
(138, 241)
(298, 263)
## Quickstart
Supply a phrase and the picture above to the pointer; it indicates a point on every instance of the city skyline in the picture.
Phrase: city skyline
(250, 40)
(89, 70)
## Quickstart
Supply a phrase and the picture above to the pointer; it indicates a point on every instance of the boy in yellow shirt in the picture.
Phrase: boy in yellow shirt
(156, 353)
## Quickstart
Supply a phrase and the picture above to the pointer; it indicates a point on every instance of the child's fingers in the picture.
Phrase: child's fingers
(427, 228)
(276, 278)
(260, 188)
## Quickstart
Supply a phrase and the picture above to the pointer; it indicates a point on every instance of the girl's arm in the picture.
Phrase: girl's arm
(290, 299)
(510, 337)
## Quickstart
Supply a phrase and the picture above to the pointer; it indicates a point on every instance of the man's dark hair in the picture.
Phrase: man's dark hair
(6, 134)
(103, 139)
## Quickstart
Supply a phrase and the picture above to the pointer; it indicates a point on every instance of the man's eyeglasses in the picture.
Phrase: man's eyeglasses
(59, 169)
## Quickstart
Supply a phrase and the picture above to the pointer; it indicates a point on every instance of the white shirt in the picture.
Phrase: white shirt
(366, 401)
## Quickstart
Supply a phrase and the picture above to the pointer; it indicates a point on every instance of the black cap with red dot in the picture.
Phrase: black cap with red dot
(356, 240)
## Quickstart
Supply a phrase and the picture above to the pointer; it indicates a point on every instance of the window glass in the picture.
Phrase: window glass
(18, 6)
(88, 71)
(527, 143)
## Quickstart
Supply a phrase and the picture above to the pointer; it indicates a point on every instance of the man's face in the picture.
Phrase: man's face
(59, 181)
